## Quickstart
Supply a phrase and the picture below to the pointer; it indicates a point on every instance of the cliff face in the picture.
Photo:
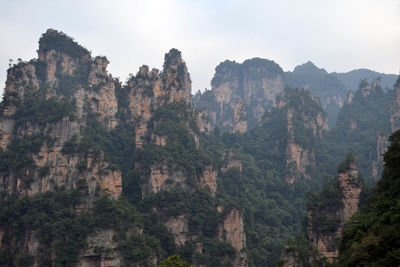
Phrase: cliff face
(232, 231)
(241, 93)
(395, 109)
(60, 122)
(326, 86)
(326, 220)
(149, 90)
(370, 112)
(56, 79)
(301, 117)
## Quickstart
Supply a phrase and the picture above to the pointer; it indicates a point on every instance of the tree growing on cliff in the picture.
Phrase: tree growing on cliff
(175, 261)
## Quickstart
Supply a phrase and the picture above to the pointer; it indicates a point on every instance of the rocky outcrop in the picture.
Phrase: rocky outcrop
(304, 116)
(382, 144)
(232, 231)
(349, 185)
(150, 90)
(61, 74)
(329, 89)
(209, 179)
(67, 151)
(178, 226)
(101, 250)
(230, 162)
(241, 93)
(162, 178)
(395, 108)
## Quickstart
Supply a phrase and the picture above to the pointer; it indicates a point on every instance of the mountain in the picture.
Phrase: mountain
(371, 236)
(363, 127)
(352, 78)
(330, 90)
(94, 172)
(329, 209)
(241, 93)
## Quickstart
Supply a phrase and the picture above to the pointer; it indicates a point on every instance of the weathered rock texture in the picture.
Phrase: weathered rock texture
(350, 186)
(232, 231)
(61, 76)
(395, 109)
(149, 90)
(91, 91)
(66, 74)
(303, 116)
(241, 93)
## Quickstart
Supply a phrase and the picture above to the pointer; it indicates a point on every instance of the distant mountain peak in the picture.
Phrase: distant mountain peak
(309, 68)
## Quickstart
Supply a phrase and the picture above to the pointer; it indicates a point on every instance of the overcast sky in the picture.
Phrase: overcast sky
(337, 35)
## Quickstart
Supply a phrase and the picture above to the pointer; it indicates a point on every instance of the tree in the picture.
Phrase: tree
(175, 261)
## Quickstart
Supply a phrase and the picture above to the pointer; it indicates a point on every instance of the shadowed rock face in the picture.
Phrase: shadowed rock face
(395, 108)
(298, 113)
(241, 93)
(350, 186)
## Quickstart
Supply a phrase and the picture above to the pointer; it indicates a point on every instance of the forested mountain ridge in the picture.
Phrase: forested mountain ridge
(83, 158)
(98, 172)
(241, 92)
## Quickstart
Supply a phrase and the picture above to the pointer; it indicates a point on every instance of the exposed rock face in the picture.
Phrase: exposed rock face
(299, 108)
(350, 186)
(298, 159)
(161, 178)
(61, 76)
(209, 179)
(203, 122)
(178, 226)
(232, 231)
(241, 93)
(395, 109)
(101, 250)
(382, 144)
(49, 74)
(66, 157)
(230, 162)
(151, 89)
(290, 258)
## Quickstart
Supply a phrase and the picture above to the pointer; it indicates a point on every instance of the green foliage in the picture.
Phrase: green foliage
(60, 42)
(53, 218)
(358, 125)
(299, 249)
(67, 85)
(371, 238)
(41, 70)
(321, 84)
(18, 156)
(347, 162)
(324, 206)
(36, 109)
(175, 261)
(199, 206)
(180, 151)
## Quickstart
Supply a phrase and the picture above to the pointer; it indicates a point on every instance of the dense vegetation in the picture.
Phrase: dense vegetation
(61, 42)
(359, 123)
(371, 238)
(273, 210)
(321, 84)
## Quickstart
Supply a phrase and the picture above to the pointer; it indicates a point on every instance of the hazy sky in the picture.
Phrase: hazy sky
(337, 35)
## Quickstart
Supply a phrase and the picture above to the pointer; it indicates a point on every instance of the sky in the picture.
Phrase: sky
(336, 35)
